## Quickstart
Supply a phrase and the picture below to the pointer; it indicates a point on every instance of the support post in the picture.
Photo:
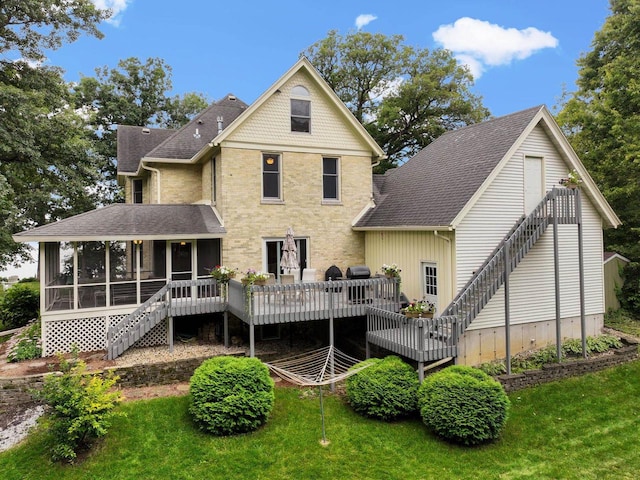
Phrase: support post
(252, 338)
(556, 272)
(331, 339)
(170, 320)
(507, 309)
(583, 324)
(225, 328)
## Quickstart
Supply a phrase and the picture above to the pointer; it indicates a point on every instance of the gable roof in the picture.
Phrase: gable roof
(195, 135)
(134, 143)
(303, 64)
(127, 221)
(608, 256)
(149, 144)
(439, 185)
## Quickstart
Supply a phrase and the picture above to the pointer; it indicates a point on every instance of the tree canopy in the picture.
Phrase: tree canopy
(57, 141)
(28, 27)
(602, 119)
(405, 96)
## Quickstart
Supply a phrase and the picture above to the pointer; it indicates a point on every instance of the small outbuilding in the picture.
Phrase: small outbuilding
(613, 264)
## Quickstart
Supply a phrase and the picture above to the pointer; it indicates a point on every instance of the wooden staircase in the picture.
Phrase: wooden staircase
(558, 207)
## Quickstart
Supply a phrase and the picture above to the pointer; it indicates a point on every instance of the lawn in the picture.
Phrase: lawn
(582, 428)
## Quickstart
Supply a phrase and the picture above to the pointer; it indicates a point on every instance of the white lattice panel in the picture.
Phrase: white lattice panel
(156, 336)
(87, 334)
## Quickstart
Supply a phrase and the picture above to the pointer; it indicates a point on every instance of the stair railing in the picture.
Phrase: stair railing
(486, 281)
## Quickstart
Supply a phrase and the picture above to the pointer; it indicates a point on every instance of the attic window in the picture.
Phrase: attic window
(300, 110)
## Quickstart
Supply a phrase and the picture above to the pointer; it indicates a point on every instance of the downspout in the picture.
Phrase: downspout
(451, 276)
(157, 172)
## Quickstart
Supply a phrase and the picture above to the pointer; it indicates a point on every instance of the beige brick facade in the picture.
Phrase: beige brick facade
(249, 221)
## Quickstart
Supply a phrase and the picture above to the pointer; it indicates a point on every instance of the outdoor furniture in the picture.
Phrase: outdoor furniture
(288, 294)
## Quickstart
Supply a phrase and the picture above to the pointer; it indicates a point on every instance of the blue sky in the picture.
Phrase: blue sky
(523, 53)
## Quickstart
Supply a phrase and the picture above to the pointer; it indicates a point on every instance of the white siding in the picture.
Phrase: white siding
(532, 294)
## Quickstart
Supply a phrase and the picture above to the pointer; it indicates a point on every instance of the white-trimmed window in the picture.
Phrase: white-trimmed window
(271, 175)
(300, 110)
(330, 179)
(430, 282)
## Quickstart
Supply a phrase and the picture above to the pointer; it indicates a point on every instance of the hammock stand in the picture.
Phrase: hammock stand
(324, 366)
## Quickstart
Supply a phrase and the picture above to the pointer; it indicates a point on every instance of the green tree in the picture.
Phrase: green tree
(45, 153)
(45, 160)
(28, 27)
(133, 93)
(405, 96)
(602, 120)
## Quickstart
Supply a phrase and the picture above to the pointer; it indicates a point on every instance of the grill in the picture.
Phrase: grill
(358, 272)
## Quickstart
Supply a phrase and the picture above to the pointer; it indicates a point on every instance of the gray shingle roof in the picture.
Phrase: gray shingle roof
(122, 221)
(135, 142)
(432, 187)
(185, 143)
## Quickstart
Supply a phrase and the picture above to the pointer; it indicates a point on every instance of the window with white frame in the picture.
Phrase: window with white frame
(271, 173)
(430, 282)
(300, 110)
(330, 179)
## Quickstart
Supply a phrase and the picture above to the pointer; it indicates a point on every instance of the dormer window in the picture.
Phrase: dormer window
(300, 109)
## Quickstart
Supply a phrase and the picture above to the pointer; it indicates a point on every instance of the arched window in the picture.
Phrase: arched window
(300, 109)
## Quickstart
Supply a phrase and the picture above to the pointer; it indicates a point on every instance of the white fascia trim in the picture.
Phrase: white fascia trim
(120, 238)
(405, 228)
(618, 256)
(283, 148)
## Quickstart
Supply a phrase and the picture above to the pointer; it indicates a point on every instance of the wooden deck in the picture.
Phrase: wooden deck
(420, 339)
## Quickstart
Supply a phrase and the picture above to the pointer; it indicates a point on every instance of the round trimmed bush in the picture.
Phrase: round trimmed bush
(385, 390)
(463, 405)
(19, 306)
(231, 395)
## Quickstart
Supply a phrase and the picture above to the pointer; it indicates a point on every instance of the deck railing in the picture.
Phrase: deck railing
(420, 339)
(560, 203)
(284, 303)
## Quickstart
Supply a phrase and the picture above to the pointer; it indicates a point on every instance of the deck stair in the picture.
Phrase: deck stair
(559, 207)
(428, 340)
(135, 325)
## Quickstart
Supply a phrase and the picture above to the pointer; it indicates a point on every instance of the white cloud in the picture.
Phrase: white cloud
(117, 8)
(364, 19)
(480, 44)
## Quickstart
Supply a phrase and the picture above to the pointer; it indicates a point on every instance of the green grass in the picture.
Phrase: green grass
(581, 428)
(623, 322)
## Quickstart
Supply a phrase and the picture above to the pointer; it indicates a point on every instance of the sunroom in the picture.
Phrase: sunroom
(99, 266)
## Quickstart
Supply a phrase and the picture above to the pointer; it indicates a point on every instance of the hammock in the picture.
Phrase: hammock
(324, 366)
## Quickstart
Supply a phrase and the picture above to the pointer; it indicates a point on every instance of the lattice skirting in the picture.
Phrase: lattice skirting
(90, 333)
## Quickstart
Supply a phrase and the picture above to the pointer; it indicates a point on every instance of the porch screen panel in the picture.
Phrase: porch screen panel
(91, 274)
(122, 275)
(59, 275)
(208, 255)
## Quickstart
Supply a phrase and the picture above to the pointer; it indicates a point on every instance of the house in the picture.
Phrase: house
(444, 215)
(225, 188)
(613, 264)
(222, 190)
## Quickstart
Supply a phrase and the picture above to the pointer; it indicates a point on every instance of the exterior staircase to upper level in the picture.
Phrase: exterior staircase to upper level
(559, 207)
(431, 339)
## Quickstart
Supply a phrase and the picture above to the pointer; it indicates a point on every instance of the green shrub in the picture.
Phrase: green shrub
(28, 346)
(463, 404)
(82, 406)
(385, 390)
(231, 395)
(19, 305)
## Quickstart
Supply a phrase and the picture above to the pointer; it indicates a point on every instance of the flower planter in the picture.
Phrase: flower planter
(418, 314)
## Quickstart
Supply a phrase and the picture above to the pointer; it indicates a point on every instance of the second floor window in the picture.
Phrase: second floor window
(137, 191)
(270, 176)
(330, 177)
(300, 110)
